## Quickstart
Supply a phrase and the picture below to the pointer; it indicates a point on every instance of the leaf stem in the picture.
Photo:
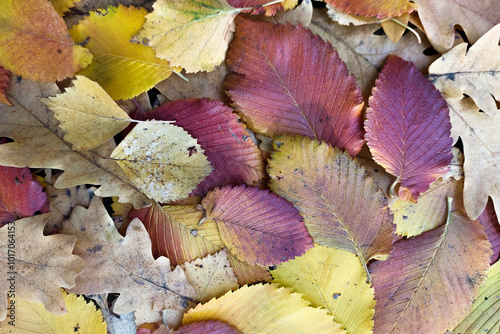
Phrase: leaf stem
(450, 200)
(410, 29)
(392, 193)
(181, 75)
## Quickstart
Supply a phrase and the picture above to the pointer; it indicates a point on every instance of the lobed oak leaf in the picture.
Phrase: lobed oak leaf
(380, 9)
(408, 128)
(124, 69)
(38, 142)
(439, 19)
(21, 196)
(87, 114)
(484, 317)
(4, 85)
(341, 204)
(192, 34)
(36, 266)
(211, 276)
(488, 218)
(163, 160)
(125, 265)
(265, 230)
(430, 281)
(234, 156)
(288, 81)
(478, 130)
(32, 318)
(35, 44)
(330, 278)
(265, 309)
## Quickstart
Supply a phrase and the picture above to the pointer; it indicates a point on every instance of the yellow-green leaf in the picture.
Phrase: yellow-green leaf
(124, 69)
(333, 279)
(192, 34)
(87, 114)
(265, 308)
(163, 160)
(32, 317)
(62, 6)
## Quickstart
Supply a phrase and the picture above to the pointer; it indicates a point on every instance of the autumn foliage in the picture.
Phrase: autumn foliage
(249, 166)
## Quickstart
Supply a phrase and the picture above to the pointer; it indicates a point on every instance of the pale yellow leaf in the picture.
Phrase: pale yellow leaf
(87, 114)
(159, 158)
(333, 279)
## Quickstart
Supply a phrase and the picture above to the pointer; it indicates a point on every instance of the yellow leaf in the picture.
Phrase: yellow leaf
(159, 158)
(122, 68)
(35, 44)
(211, 276)
(87, 114)
(31, 317)
(485, 314)
(62, 6)
(265, 309)
(333, 279)
(394, 30)
(192, 34)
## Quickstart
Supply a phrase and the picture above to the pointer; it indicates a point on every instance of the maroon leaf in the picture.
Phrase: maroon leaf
(234, 156)
(4, 85)
(408, 127)
(20, 195)
(489, 220)
(289, 81)
(257, 226)
(212, 327)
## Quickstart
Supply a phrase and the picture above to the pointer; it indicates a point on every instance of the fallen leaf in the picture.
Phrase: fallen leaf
(430, 281)
(265, 309)
(163, 160)
(192, 34)
(341, 204)
(31, 317)
(346, 19)
(38, 142)
(4, 85)
(248, 274)
(488, 218)
(408, 128)
(211, 276)
(261, 6)
(440, 18)
(380, 9)
(124, 69)
(210, 326)
(265, 230)
(87, 114)
(395, 28)
(125, 265)
(21, 195)
(330, 278)
(288, 81)
(228, 147)
(301, 14)
(484, 317)
(36, 266)
(35, 44)
(62, 6)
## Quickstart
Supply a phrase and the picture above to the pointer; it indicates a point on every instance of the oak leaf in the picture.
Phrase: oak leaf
(329, 278)
(288, 81)
(380, 9)
(32, 318)
(341, 204)
(192, 34)
(125, 265)
(430, 281)
(37, 266)
(265, 309)
(124, 69)
(38, 142)
(478, 130)
(4, 85)
(35, 44)
(163, 160)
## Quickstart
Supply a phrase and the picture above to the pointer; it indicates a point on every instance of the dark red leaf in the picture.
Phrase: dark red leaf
(289, 81)
(408, 127)
(489, 220)
(234, 156)
(204, 327)
(4, 85)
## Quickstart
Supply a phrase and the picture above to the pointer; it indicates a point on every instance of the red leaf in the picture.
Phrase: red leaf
(257, 226)
(408, 127)
(489, 220)
(212, 327)
(20, 195)
(4, 85)
(289, 81)
(234, 156)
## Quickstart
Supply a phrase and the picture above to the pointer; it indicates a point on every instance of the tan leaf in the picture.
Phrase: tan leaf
(159, 158)
(125, 265)
(34, 266)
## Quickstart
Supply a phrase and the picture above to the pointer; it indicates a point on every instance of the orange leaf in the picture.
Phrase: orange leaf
(35, 43)
(380, 9)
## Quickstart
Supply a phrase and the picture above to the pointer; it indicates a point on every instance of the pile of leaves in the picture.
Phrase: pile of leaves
(200, 166)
